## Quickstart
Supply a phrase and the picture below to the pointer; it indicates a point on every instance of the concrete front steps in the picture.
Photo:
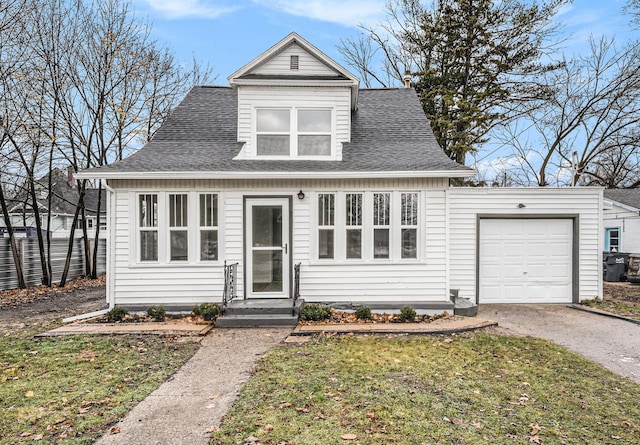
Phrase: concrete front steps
(257, 313)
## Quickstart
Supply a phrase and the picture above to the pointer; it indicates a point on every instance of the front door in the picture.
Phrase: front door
(267, 247)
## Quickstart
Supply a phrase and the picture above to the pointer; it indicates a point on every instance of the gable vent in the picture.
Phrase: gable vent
(294, 63)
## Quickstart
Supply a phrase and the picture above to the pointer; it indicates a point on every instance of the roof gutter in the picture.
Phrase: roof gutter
(276, 174)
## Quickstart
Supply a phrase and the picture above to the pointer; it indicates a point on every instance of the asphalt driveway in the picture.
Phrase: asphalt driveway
(613, 343)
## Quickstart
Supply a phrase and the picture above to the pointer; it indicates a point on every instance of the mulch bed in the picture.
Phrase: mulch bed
(341, 317)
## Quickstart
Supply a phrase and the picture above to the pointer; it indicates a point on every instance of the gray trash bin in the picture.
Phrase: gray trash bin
(616, 264)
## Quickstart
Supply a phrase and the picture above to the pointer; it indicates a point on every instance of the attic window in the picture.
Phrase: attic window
(294, 63)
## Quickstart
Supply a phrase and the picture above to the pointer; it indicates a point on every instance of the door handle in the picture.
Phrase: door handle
(285, 248)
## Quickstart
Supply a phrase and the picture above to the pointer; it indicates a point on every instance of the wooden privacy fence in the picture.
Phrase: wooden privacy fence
(30, 256)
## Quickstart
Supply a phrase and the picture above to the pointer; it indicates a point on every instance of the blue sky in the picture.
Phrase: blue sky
(230, 33)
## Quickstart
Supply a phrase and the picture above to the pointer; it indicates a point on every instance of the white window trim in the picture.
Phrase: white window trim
(607, 238)
(395, 227)
(293, 133)
(200, 228)
(193, 229)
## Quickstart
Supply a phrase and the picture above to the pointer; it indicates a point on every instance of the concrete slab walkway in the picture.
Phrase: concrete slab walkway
(198, 395)
(158, 328)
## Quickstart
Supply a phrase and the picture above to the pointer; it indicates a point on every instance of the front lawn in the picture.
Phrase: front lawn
(70, 389)
(470, 389)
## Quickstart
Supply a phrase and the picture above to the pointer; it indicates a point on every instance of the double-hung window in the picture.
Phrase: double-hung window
(293, 132)
(178, 227)
(381, 226)
(208, 227)
(409, 225)
(353, 225)
(273, 132)
(369, 226)
(326, 223)
(314, 132)
(148, 226)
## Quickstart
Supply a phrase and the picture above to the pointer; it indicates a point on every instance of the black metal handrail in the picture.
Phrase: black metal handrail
(296, 283)
(230, 289)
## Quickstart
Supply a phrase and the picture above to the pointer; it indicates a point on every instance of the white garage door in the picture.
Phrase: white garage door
(525, 260)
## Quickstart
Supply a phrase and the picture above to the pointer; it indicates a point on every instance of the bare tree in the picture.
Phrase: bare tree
(81, 84)
(585, 130)
(471, 61)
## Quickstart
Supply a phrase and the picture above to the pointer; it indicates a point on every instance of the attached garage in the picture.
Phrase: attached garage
(525, 245)
(525, 260)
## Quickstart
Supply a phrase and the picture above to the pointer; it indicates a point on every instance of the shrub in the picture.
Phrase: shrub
(315, 312)
(206, 310)
(363, 313)
(116, 314)
(407, 313)
(156, 312)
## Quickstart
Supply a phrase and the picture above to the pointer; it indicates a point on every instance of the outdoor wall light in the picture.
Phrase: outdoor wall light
(300, 194)
(521, 206)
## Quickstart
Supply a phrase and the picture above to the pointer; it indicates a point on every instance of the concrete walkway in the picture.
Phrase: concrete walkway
(199, 394)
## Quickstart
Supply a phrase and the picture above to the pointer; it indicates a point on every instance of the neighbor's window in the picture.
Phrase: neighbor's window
(409, 225)
(354, 225)
(208, 227)
(612, 239)
(148, 226)
(381, 207)
(314, 132)
(326, 222)
(178, 231)
(273, 128)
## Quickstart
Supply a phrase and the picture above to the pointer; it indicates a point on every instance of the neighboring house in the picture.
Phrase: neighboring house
(621, 220)
(295, 164)
(64, 199)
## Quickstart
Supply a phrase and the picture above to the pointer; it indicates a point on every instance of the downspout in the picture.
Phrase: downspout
(447, 244)
(111, 236)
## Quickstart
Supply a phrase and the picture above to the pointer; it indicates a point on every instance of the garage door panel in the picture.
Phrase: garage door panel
(525, 260)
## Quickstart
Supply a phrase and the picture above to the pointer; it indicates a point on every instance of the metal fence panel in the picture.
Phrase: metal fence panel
(30, 255)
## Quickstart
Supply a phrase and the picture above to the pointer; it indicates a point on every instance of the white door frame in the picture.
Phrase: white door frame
(283, 251)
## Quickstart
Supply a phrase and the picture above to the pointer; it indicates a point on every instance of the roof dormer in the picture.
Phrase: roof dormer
(294, 102)
(295, 62)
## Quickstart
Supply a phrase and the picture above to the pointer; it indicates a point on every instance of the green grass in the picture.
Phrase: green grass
(70, 389)
(615, 307)
(471, 389)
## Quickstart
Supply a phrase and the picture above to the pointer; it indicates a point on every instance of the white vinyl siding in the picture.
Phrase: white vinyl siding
(308, 65)
(467, 205)
(326, 281)
(628, 223)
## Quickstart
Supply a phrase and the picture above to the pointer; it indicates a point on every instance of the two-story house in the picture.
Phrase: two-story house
(294, 164)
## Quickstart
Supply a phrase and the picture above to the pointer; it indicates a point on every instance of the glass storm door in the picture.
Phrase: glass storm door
(267, 247)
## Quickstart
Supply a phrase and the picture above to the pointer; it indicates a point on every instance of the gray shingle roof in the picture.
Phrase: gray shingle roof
(390, 133)
(630, 197)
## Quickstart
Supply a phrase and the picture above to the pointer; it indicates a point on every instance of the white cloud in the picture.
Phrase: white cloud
(176, 9)
(344, 12)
